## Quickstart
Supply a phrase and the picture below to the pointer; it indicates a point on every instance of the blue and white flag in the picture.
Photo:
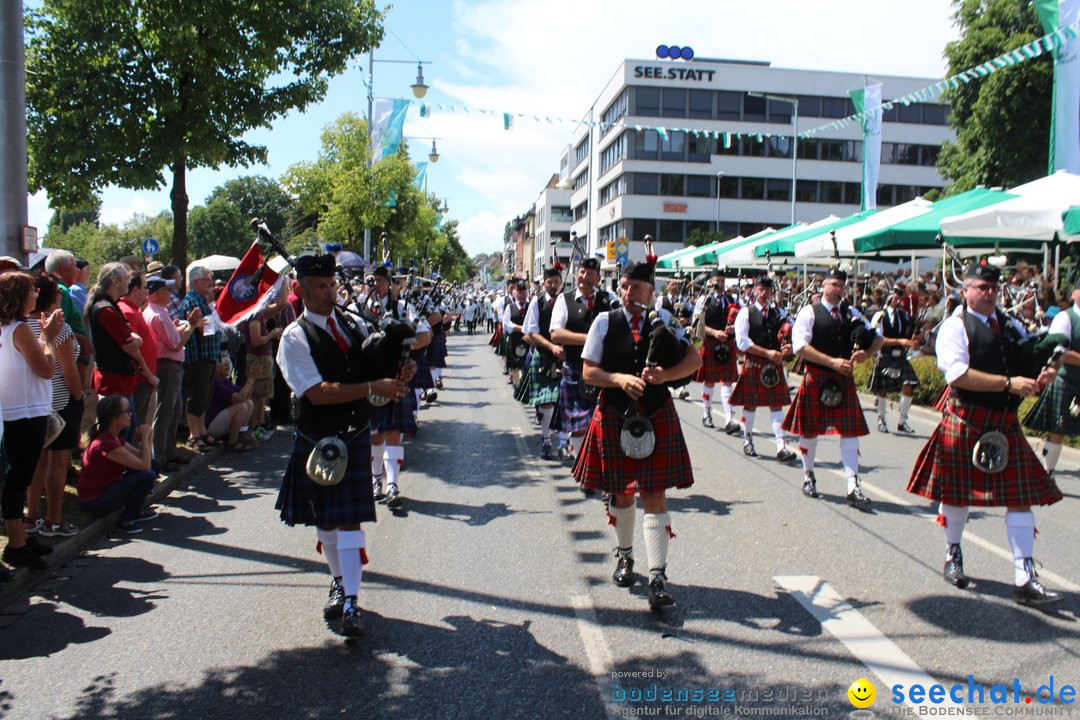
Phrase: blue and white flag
(1065, 128)
(387, 126)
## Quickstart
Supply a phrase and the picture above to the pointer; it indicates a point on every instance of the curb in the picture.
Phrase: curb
(70, 548)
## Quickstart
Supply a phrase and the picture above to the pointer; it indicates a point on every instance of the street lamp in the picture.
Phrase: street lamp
(794, 137)
(419, 89)
(719, 174)
(433, 156)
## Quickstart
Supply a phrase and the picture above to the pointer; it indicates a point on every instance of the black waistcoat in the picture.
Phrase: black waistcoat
(991, 353)
(546, 305)
(579, 319)
(317, 421)
(763, 331)
(831, 336)
(901, 329)
(716, 312)
(108, 354)
(622, 355)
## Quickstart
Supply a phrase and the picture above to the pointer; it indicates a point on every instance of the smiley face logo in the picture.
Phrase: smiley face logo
(862, 693)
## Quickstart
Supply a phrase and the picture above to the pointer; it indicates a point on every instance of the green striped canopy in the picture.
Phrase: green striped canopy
(920, 233)
(786, 245)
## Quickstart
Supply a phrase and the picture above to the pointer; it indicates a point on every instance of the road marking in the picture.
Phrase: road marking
(869, 646)
(596, 649)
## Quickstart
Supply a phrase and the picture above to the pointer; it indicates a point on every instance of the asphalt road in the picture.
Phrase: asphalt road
(489, 595)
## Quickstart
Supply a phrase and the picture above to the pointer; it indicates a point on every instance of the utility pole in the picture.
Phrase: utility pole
(13, 214)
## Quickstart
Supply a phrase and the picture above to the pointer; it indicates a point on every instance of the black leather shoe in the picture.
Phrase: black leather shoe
(905, 428)
(431, 396)
(1032, 592)
(438, 383)
(786, 456)
(809, 486)
(564, 452)
(748, 448)
(393, 497)
(856, 499)
(545, 451)
(954, 568)
(881, 426)
(377, 488)
(659, 597)
(350, 620)
(23, 557)
(733, 428)
(707, 421)
(335, 603)
(624, 569)
(684, 394)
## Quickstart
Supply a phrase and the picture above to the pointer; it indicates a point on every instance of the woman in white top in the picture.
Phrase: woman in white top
(26, 364)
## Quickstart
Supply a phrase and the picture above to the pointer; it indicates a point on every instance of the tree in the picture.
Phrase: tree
(699, 237)
(65, 218)
(118, 91)
(107, 243)
(219, 228)
(261, 197)
(1002, 121)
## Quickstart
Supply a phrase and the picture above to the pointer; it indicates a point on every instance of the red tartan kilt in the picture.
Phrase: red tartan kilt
(944, 470)
(942, 403)
(807, 417)
(602, 465)
(712, 371)
(750, 392)
(496, 336)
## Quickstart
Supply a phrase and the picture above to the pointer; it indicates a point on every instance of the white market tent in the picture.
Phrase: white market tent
(744, 255)
(821, 245)
(1035, 215)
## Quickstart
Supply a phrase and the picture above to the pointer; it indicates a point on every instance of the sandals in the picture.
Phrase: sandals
(241, 445)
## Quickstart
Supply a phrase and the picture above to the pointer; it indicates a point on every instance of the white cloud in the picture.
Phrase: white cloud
(38, 211)
(483, 232)
(137, 205)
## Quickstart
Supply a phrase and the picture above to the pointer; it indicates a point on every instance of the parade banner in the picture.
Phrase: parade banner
(387, 127)
(1065, 128)
(421, 175)
(249, 289)
(867, 102)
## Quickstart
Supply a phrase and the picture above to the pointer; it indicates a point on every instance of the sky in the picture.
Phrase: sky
(552, 58)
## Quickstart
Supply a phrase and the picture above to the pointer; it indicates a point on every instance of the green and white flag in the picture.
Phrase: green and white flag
(387, 126)
(1065, 129)
(868, 101)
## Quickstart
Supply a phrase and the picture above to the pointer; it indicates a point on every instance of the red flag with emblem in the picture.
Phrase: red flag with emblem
(249, 289)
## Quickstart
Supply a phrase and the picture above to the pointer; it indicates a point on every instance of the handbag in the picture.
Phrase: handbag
(54, 427)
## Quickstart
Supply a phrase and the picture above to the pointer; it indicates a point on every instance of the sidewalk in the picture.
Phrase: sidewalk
(69, 548)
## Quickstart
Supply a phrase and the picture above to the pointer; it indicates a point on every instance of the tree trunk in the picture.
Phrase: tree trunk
(179, 198)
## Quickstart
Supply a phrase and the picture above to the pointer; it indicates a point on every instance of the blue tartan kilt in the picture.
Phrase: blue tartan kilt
(303, 502)
(396, 415)
(542, 390)
(1051, 413)
(882, 383)
(576, 409)
(422, 379)
(437, 350)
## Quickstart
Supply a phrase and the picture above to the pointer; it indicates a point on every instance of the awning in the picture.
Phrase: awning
(1034, 213)
(786, 245)
(820, 245)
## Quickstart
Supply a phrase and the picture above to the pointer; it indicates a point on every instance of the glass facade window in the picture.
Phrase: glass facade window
(670, 231)
(851, 150)
(561, 214)
(911, 113)
(674, 103)
(581, 180)
(809, 106)
(753, 108)
(647, 101)
(728, 187)
(615, 111)
(613, 189)
(698, 148)
(779, 146)
(928, 156)
(806, 191)
(646, 183)
(733, 149)
(728, 105)
(779, 111)
(935, 114)
(699, 186)
(673, 185)
(582, 150)
(612, 154)
(836, 107)
(646, 145)
(674, 147)
(831, 192)
(852, 193)
(752, 188)
(808, 148)
(581, 211)
(752, 147)
(701, 102)
(832, 150)
(778, 190)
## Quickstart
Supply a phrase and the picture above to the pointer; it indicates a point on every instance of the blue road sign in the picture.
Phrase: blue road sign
(151, 246)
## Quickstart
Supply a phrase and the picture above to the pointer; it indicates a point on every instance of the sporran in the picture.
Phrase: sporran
(328, 461)
(991, 452)
(770, 376)
(637, 437)
(832, 394)
(721, 353)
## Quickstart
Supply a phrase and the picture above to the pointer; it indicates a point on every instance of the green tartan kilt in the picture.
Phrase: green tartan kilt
(1050, 413)
(542, 390)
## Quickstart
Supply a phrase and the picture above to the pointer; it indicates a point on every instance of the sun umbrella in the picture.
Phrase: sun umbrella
(744, 254)
(820, 245)
(216, 262)
(786, 245)
(349, 259)
(1071, 220)
(1034, 215)
(709, 254)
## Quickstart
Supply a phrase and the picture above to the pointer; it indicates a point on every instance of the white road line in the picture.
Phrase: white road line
(869, 646)
(596, 649)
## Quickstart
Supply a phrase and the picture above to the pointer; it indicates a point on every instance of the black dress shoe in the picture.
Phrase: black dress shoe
(393, 498)
(786, 456)
(881, 426)
(659, 597)
(905, 428)
(954, 568)
(732, 428)
(809, 486)
(1032, 592)
(545, 451)
(624, 569)
(748, 448)
(707, 421)
(856, 499)
(335, 603)
(377, 488)
(350, 619)
(23, 557)
(564, 452)
(438, 383)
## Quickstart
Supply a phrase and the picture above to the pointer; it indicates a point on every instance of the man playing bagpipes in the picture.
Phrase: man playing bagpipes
(893, 370)
(545, 368)
(718, 356)
(513, 323)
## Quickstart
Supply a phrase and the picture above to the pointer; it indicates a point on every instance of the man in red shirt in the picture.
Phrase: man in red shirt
(131, 306)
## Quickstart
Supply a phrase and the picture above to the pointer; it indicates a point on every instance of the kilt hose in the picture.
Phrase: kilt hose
(712, 371)
(352, 501)
(602, 464)
(1051, 413)
(880, 382)
(807, 417)
(397, 415)
(750, 392)
(542, 389)
(575, 409)
(945, 472)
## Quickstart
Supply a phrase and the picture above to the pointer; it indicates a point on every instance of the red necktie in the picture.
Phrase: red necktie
(835, 314)
(338, 337)
(635, 328)
(589, 302)
(993, 323)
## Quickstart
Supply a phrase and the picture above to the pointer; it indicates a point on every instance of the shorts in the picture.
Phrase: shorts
(68, 438)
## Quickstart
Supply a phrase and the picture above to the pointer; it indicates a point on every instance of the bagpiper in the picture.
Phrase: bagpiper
(545, 367)
(571, 317)
(893, 370)
(1057, 412)
(978, 454)
(718, 356)
(635, 444)
(831, 337)
(758, 337)
(513, 321)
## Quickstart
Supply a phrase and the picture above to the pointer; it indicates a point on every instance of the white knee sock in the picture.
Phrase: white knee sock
(777, 418)
(392, 459)
(849, 456)
(546, 413)
(954, 520)
(725, 401)
(905, 405)
(564, 438)
(882, 405)
(706, 400)
(436, 373)
(807, 451)
(624, 525)
(328, 538)
(377, 460)
(1050, 454)
(349, 544)
(1020, 527)
(748, 417)
(656, 528)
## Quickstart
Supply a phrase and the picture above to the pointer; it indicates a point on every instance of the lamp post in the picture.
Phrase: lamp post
(719, 174)
(419, 90)
(794, 137)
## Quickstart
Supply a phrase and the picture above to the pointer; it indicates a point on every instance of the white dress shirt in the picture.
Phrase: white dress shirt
(742, 328)
(802, 332)
(294, 354)
(532, 314)
(1062, 323)
(594, 341)
(951, 347)
(507, 323)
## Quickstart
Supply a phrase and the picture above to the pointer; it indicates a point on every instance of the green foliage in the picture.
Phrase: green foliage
(259, 196)
(218, 229)
(65, 218)
(108, 243)
(118, 91)
(1002, 121)
(699, 238)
